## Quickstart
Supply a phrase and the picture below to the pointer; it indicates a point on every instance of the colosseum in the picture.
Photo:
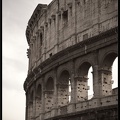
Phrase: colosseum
(66, 38)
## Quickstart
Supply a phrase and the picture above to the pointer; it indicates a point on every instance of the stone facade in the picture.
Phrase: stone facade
(65, 39)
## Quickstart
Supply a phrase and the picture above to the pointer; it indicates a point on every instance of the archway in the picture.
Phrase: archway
(38, 99)
(64, 89)
(90, 83)
(49, 94)
(39, 92)
(83, 86)
(106, 73)
(115, 73)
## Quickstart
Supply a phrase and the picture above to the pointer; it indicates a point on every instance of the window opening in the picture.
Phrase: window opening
(69, 90)
(41, 39)
(90, 83)
(65, 16)
(115, 73)
(85, 36)
(50, 54)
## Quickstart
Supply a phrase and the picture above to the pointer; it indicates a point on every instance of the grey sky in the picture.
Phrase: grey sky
(15, 16)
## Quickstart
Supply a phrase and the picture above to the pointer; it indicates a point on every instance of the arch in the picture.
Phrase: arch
(83, 86)
(64, 77)
(65, 69)
(83, 69)
(50, 84)
(81, 63)
(64, 92)
(38, 99)
(90, 83)
(39, 91)
(115, 73)
(49, 94)
(106, 72)
(108, 59)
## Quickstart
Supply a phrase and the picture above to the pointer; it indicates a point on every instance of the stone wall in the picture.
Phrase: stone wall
(65, 39)
(64, 23)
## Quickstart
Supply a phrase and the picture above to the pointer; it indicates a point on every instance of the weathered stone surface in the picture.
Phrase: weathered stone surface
(65, 39)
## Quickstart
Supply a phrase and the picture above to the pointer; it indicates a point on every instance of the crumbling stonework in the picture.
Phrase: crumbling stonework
(65, 39)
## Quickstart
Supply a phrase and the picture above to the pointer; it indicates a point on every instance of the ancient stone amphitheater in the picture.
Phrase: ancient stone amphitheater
(65, 39)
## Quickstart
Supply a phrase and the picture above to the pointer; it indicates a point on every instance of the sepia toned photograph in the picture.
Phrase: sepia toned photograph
(60, 60)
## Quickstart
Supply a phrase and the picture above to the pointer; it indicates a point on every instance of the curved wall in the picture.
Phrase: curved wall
(62, 24)
(65, 39)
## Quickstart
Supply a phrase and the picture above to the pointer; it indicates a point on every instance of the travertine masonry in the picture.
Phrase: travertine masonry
(66, 38)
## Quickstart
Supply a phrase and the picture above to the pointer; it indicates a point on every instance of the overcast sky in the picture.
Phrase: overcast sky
(15, 16)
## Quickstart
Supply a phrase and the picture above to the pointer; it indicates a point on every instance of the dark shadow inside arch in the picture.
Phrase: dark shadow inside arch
(83, 69)
(50, 84)
(64, 77)
(49, 94)
(108, 61)
(39, 91)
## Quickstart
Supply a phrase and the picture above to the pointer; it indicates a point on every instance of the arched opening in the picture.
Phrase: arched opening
(38, 99)
(50, 84)
(107, 74)
(64, 88)
(49, 94)
(39, 92)
(90, 83)
(115, 73)
(84, 82)
(69, 90)
(41, 39)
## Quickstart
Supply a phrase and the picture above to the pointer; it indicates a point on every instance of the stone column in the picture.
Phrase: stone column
(43, 101)
(73, 89)
(45, 25)
(96, 82)
(37, 45)
(35, 42)
(73, 84)
(55, 99)
(49, 27)
(62, 25)
(34, 55)
(81, 88)
(105, 80)
(57, 33)
(75, 19)
(31, 56)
